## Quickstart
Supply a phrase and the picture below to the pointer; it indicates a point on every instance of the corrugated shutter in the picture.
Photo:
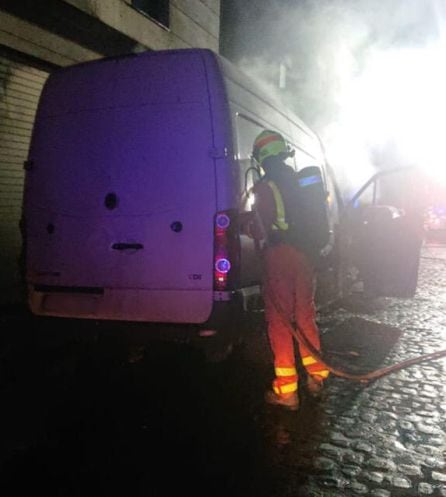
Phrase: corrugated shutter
(20, 88)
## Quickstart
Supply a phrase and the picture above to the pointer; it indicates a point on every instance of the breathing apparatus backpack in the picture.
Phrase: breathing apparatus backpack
(306, 210)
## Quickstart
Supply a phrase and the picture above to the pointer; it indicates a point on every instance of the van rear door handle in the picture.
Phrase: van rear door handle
(127, 246)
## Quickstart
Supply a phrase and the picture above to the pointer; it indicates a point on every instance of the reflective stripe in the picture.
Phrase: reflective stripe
(267, 144)
(323, 373)
(310, 180)
(310, 361)
(267, 139)
(280, 223)
(288, 388)
(285, 371)
(306, 361)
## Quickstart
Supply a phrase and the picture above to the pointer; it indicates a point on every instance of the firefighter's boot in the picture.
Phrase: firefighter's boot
(315, 384)
(289, 401)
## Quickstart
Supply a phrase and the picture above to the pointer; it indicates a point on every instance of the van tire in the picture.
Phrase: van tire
(217, 356)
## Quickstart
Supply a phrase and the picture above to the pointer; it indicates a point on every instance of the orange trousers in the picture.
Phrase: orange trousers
(289, 290)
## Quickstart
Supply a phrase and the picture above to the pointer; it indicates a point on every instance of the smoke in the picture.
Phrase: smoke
(354, 68)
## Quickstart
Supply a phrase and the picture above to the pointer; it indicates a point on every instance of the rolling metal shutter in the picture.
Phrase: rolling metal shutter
(20, 88)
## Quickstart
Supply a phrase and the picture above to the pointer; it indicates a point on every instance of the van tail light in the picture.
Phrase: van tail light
(226, 250)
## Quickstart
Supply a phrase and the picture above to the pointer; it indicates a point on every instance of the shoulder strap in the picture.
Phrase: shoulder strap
(280, 223)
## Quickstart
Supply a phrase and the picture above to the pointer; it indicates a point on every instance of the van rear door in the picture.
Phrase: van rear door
(120, 198)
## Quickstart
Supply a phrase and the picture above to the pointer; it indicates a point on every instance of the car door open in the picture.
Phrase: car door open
(383, 233)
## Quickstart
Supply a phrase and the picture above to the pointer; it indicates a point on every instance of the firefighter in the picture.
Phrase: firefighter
(288, 285)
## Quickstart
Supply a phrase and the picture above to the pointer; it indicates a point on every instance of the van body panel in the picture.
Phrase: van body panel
(122, 192)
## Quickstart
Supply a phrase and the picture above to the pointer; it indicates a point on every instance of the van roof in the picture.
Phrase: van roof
(228, 68)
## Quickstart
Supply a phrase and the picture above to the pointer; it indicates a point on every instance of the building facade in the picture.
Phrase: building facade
(38, 37)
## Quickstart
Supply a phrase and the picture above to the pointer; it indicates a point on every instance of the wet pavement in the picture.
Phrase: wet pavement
(102, 418)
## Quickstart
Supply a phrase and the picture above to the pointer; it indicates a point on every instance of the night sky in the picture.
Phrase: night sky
(366, 72)
(310, 35)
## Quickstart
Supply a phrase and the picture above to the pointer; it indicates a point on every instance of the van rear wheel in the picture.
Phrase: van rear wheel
(218, 343)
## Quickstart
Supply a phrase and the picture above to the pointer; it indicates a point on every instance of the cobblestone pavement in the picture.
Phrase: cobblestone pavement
(92, 419)
(389, 438)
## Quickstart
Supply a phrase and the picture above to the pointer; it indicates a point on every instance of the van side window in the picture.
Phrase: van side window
(303, 159)
(246, 130)
(248, 173)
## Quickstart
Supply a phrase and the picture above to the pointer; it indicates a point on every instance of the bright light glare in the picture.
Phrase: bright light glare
(398, 99)
(250, 200)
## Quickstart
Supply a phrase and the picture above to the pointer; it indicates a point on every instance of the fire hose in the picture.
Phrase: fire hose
(300, 336)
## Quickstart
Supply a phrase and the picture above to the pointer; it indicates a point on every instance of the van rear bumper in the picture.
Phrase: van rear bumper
(169, 306)
(133, 316)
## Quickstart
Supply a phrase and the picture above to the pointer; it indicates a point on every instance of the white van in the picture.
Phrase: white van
(138, 170)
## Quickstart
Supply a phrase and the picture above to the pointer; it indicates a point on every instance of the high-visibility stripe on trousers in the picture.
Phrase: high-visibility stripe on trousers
(314, 367)
(289, 285)
(286, 380)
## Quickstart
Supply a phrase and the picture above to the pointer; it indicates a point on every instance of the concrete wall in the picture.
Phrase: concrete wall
(193, 23)
(64, 32)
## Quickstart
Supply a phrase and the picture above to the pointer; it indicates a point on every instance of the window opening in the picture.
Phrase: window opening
(157, 10)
